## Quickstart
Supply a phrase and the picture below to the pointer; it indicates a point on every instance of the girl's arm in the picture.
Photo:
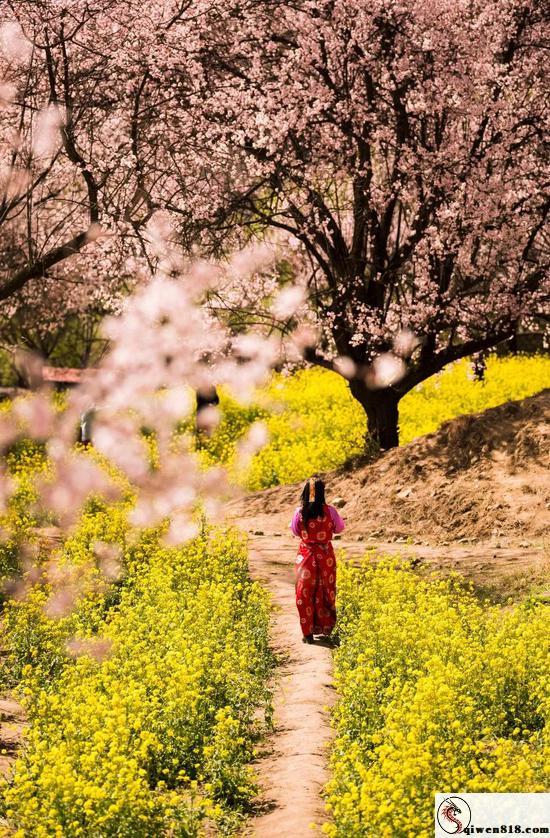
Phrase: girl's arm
(337, 520)
(295, 523)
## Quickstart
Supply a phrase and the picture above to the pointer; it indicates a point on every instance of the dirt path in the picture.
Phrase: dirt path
(500, 566)
(12, 722)
(292, 770)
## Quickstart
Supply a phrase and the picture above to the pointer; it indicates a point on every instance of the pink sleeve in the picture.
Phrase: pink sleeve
(337, 520)
(295, 523)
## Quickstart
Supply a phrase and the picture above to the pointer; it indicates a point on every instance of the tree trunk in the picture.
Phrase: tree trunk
(207, 397)
(381, 407)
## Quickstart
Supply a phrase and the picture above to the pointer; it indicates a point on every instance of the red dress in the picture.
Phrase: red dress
(316, 576)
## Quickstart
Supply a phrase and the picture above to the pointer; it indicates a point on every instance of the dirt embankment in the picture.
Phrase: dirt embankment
(472, 498)
(479, 477)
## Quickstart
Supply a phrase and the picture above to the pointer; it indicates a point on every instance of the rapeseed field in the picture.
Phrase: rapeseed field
(145, 698)
(314, 424)
(437, 692)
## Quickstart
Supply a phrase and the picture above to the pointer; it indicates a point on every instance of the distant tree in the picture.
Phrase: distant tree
(72, 217)
(64, 332)
(72, 79)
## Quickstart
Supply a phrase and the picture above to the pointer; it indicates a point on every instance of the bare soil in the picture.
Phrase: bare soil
(481, 479)
(11, 728)
(293, 766)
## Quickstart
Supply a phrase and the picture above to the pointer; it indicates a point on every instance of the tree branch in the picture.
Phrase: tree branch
(39, 267)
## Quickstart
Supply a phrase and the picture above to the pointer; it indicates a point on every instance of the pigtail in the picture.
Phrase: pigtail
(313, 499)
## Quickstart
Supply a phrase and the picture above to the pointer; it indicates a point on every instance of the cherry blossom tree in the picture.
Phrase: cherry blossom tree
(402, 145)
(73, 79)
(73, 204)
(59, 316)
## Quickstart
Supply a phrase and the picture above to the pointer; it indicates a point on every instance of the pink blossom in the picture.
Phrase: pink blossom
(288, 301)
(109, 559)
(62, 601)
(7, 93)
(387, 369)
(208, 419)
(405, 343)
(345, 366)
(181, 529)
(99, 648)
(255, 438)
(13, 42)
(47, 136)
(37, 413)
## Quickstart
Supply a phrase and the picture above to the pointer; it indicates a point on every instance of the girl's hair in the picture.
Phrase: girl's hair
(313, 507)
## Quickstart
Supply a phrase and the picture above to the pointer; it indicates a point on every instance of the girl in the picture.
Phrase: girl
(315, 523)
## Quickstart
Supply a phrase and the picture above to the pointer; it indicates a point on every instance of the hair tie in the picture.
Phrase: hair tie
(311, 489)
